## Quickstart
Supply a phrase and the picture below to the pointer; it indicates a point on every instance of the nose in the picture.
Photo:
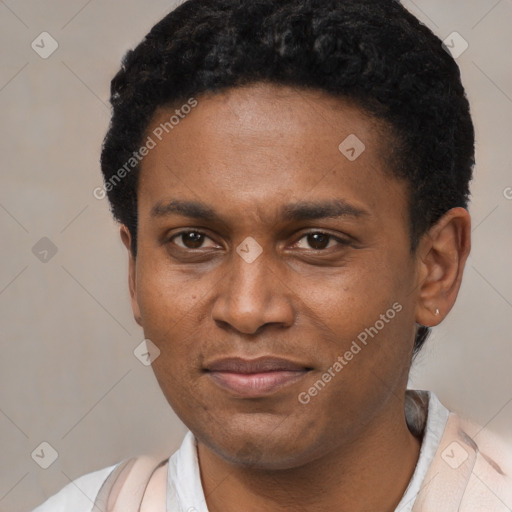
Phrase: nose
(251, 296)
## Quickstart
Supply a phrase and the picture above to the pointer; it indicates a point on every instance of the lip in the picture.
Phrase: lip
(252, 378)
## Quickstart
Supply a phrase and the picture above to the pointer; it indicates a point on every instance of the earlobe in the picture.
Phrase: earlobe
(442, 255)
(132, 273)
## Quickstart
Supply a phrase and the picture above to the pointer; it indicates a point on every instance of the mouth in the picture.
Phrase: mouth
(253, 378)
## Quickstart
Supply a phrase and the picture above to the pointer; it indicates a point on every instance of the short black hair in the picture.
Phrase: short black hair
(372, 52)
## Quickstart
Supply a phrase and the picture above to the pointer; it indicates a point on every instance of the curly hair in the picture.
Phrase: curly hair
(372, 52)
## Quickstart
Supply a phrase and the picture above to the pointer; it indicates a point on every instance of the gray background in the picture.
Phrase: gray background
(68, 375)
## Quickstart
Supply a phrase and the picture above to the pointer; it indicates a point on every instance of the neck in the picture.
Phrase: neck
(368, 473)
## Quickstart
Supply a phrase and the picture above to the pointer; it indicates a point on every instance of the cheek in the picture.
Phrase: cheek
(166, 295)
(350, 298)
(170, 313)
(364, 312)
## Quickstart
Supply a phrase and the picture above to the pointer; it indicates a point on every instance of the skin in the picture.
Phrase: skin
(246, 153)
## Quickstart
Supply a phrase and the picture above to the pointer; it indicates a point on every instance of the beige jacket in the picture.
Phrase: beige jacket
(471, 472)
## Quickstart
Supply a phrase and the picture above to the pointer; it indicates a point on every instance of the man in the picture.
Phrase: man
(291, 179)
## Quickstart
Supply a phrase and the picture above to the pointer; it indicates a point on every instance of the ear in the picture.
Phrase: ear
(442, 255)
(132, 281)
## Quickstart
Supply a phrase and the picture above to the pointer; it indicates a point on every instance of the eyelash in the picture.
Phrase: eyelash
(340, 241)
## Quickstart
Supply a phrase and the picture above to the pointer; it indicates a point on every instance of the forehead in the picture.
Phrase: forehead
(258, 147)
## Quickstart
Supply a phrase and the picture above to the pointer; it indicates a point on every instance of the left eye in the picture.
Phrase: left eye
(319, 241)
(190, 239)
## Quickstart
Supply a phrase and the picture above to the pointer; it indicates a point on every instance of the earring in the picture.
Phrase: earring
(437, 312)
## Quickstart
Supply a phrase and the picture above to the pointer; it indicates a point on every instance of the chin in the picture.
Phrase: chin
(258, 448)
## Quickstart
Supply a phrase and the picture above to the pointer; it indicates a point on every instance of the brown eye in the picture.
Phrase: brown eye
(319, 241)
(193, 240)
(190, 239)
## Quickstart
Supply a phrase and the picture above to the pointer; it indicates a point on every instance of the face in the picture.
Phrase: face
(274, 273)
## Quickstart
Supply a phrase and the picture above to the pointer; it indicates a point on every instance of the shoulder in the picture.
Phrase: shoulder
(78, 495)
(472, 470)
(490, 484)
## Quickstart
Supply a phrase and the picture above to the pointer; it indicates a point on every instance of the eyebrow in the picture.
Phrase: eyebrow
(300, 211)
(322, 210)
(191, 209)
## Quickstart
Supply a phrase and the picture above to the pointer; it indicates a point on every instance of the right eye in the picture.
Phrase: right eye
(191, 239)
